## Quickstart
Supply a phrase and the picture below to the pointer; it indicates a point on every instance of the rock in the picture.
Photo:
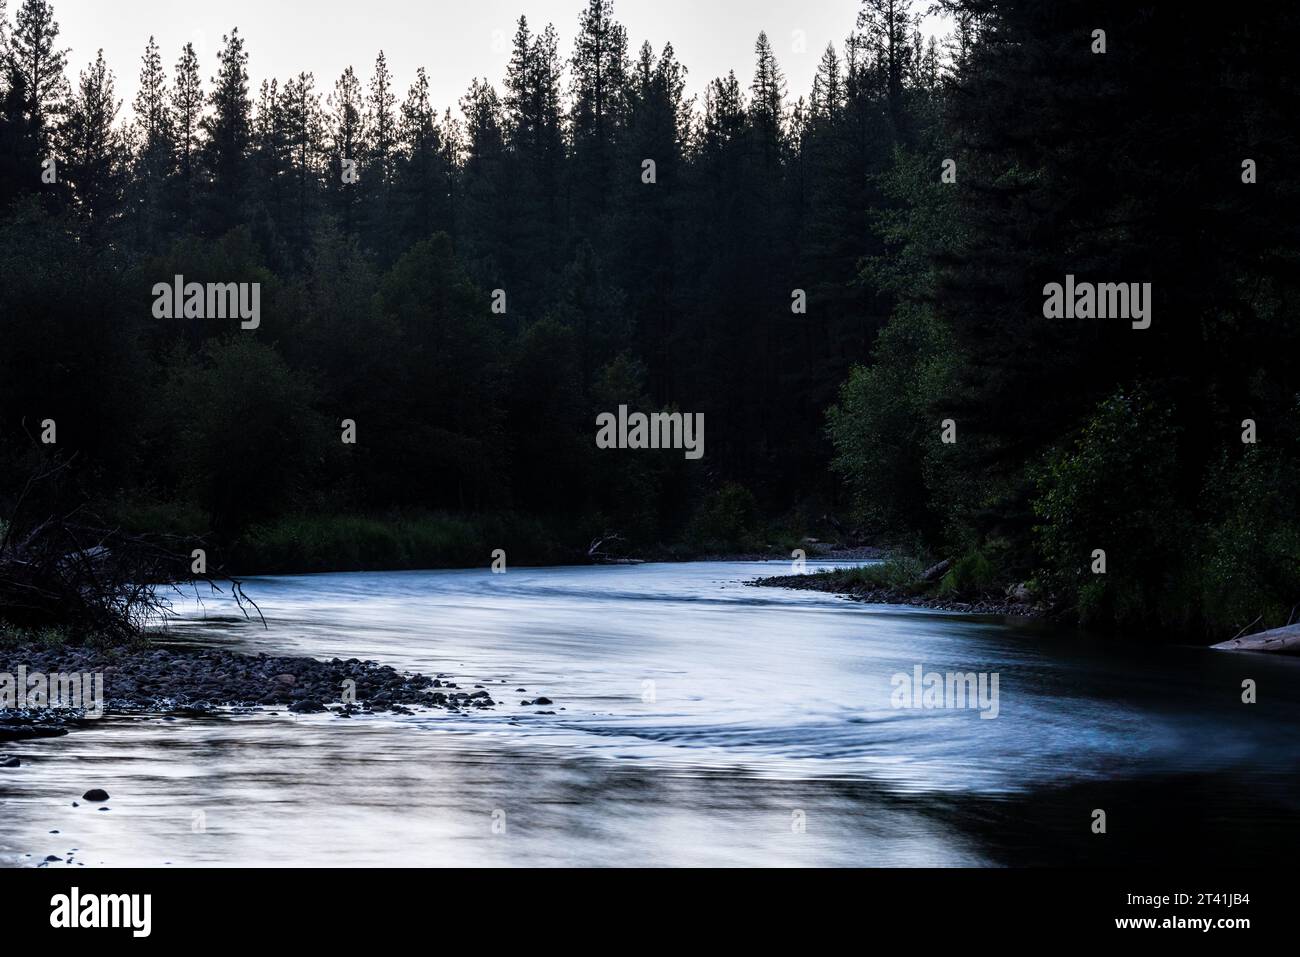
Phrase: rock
(543, 701)
(11, 762)
(286, 679)
(95, 795)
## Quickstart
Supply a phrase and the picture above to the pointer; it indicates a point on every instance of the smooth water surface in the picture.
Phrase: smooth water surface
(697, 720)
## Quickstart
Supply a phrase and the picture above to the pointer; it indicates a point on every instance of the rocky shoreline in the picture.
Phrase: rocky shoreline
(1012, 605)
(184, 681)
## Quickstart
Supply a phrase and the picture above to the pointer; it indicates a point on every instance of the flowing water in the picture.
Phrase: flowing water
(697, 720)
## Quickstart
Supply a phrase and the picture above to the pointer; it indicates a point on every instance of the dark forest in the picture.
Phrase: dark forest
(849, 287)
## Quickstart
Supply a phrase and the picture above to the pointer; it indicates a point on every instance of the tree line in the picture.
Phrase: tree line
(801, 272)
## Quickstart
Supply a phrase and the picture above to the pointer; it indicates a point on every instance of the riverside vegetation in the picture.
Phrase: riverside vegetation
(826, 280)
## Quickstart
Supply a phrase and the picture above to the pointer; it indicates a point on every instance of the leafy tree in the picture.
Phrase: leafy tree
(246, 447)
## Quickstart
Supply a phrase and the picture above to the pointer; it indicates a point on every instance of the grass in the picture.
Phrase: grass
(315, 543)
(902, 571)
(59, 636)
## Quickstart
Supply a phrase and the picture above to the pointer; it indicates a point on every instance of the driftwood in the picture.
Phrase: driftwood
(1281, 641)
(96, 581)
(72, 572)
(598, 554)
(936, 571)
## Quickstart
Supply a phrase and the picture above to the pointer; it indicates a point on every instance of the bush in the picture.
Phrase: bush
(901, 571)
(318, 543)
(725, 520)
(1113, 490)
(970, 574)
(246, 434)
(1252, 550)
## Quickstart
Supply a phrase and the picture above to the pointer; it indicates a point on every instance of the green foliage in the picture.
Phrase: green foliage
(884, 427)
(896, 572)
(349, 542)
(1109, 490)
(1252, 542)
(924, 300)
(725, 520)
(969, 575)
(243, 432)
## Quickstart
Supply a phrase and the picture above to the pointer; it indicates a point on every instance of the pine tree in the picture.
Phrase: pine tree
(535, 157)
(19, 156)
(485, 210)
(646, 220)
(598, 94)
(885, 27)
(423, 176)
(381, 123)
(92, 148)
(36, 58)
(767, 104)
(187, 107)
(152, 104)
(228, 135)
(381, 154)
(827, 98)
(303, 131)
(270, 161)
(346, 123)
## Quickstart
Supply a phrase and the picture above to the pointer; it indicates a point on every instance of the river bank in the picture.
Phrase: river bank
(856, 587)
(185, 681)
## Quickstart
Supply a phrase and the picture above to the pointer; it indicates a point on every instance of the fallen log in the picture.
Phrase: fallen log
(1280, 641)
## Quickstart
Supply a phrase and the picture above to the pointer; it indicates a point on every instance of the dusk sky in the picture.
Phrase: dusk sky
(454, 41)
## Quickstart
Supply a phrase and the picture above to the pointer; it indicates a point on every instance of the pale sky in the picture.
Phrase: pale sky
(454, 41)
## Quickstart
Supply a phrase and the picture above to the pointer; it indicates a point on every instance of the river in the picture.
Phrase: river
(697, 721)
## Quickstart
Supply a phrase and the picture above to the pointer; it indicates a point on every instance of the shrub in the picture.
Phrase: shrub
(1113, 489)
(970, 574)
(725, 519)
